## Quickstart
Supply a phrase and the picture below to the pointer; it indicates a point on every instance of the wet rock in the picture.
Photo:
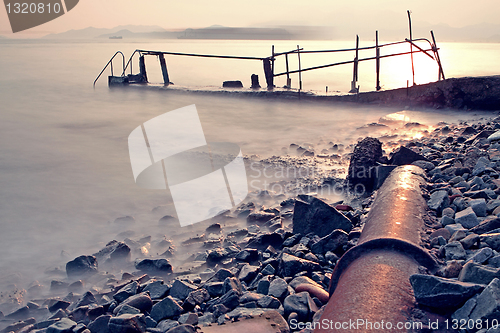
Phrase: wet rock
(181, 289)
(19, 314)
(493, 240)
(443, 232)
(426, 165)
(127, 291)
(129, 323)
(405, 156)
(467, 218)
(464, 312)
(230, 300)
(300, 303)
(451, 270)
(64, 325)
(477, 273)
(365, 156)
(167, 324)
(259, 217)
(215, 289)
(248, 272)
(268, 302)
(125, 220)
(114, 251)
(454, 251)
(263, 286)
(337, 239)
(154, 266)
(291, 265)
(125, 309)
(194, 298)
(488, 302)
(100, 324)
(248, 255)
(87, 299)
(438, 201)
(81, 266)
(478, 206)
(316, 216)
(156, 289)
(167, 308)
(59, 305)
(440, 293)
(278, 288)
(469, 241)
(142, 302)
(189, 319)
(486, 226)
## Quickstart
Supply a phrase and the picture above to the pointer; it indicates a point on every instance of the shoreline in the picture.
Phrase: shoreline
(240, 259)
(466, 93)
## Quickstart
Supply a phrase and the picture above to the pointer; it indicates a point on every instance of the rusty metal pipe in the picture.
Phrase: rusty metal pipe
(370, 283)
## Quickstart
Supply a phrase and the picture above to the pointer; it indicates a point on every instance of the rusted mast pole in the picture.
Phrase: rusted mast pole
(377, 61)
(164, 71)
(288, 82)
(436, 53)
(411, 47)
(355, 68)
(272, 63)
(300, 69)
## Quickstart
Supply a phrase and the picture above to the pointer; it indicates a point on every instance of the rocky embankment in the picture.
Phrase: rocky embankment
(278, 266)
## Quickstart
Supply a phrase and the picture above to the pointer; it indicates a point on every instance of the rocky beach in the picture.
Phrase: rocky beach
(269, 262)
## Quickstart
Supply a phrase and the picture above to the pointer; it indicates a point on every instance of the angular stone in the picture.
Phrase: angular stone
(155, 266)
(366, 154)
(427, 166)
(478, 206)
(263, 286)
(230, 300)
(464, 312)
(405, 156)
(493, 240)
(316, 216)
(232, 283)
(445, 220)
(127, 291)
(167, 308)
(482, 255)
(259, 217)
(451, 270)
(142, 302)
(445, 233)
(454, 251)
(166, 325)
(215, 289)
(114, 251)
(64, 325)
(278, 288)
(441, 293)
(181, 289)
(291, 265)
(477, 273)
(332, 242)
(87, 299)
(248, 255)
(19, 314)
(452, 228)
(469, 241)
(268, 270)
(156, 289)
(59, 305)
(467, 218)
(488, 303)
(129, 323)
(486, 226)
(248, 272)
(438, 201)
(196, 297)
(189, 319)
(82, 266)
(125, 309)
(300, 303)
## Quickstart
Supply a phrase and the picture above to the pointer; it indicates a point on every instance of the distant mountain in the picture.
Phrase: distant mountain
(126, 33)
(92, 32)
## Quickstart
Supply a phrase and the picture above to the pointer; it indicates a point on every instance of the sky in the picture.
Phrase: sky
(341, 14)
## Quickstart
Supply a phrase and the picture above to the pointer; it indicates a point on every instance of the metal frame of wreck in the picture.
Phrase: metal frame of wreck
(268, 62)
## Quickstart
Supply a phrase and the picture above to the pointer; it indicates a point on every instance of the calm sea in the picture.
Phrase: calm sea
(65, 170)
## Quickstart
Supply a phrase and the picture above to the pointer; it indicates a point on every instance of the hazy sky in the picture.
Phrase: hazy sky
(173, 14)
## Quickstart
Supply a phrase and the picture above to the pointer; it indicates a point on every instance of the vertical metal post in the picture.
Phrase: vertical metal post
(436, 53)
(142, 69)
(163, 64)
(355, 68)
(268, 73)
(300, 70)
(411, 47)
(288, 81)
(377, 60)
(111, 63)
(272, 63)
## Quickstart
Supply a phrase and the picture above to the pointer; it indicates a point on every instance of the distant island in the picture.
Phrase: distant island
(475, 33)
